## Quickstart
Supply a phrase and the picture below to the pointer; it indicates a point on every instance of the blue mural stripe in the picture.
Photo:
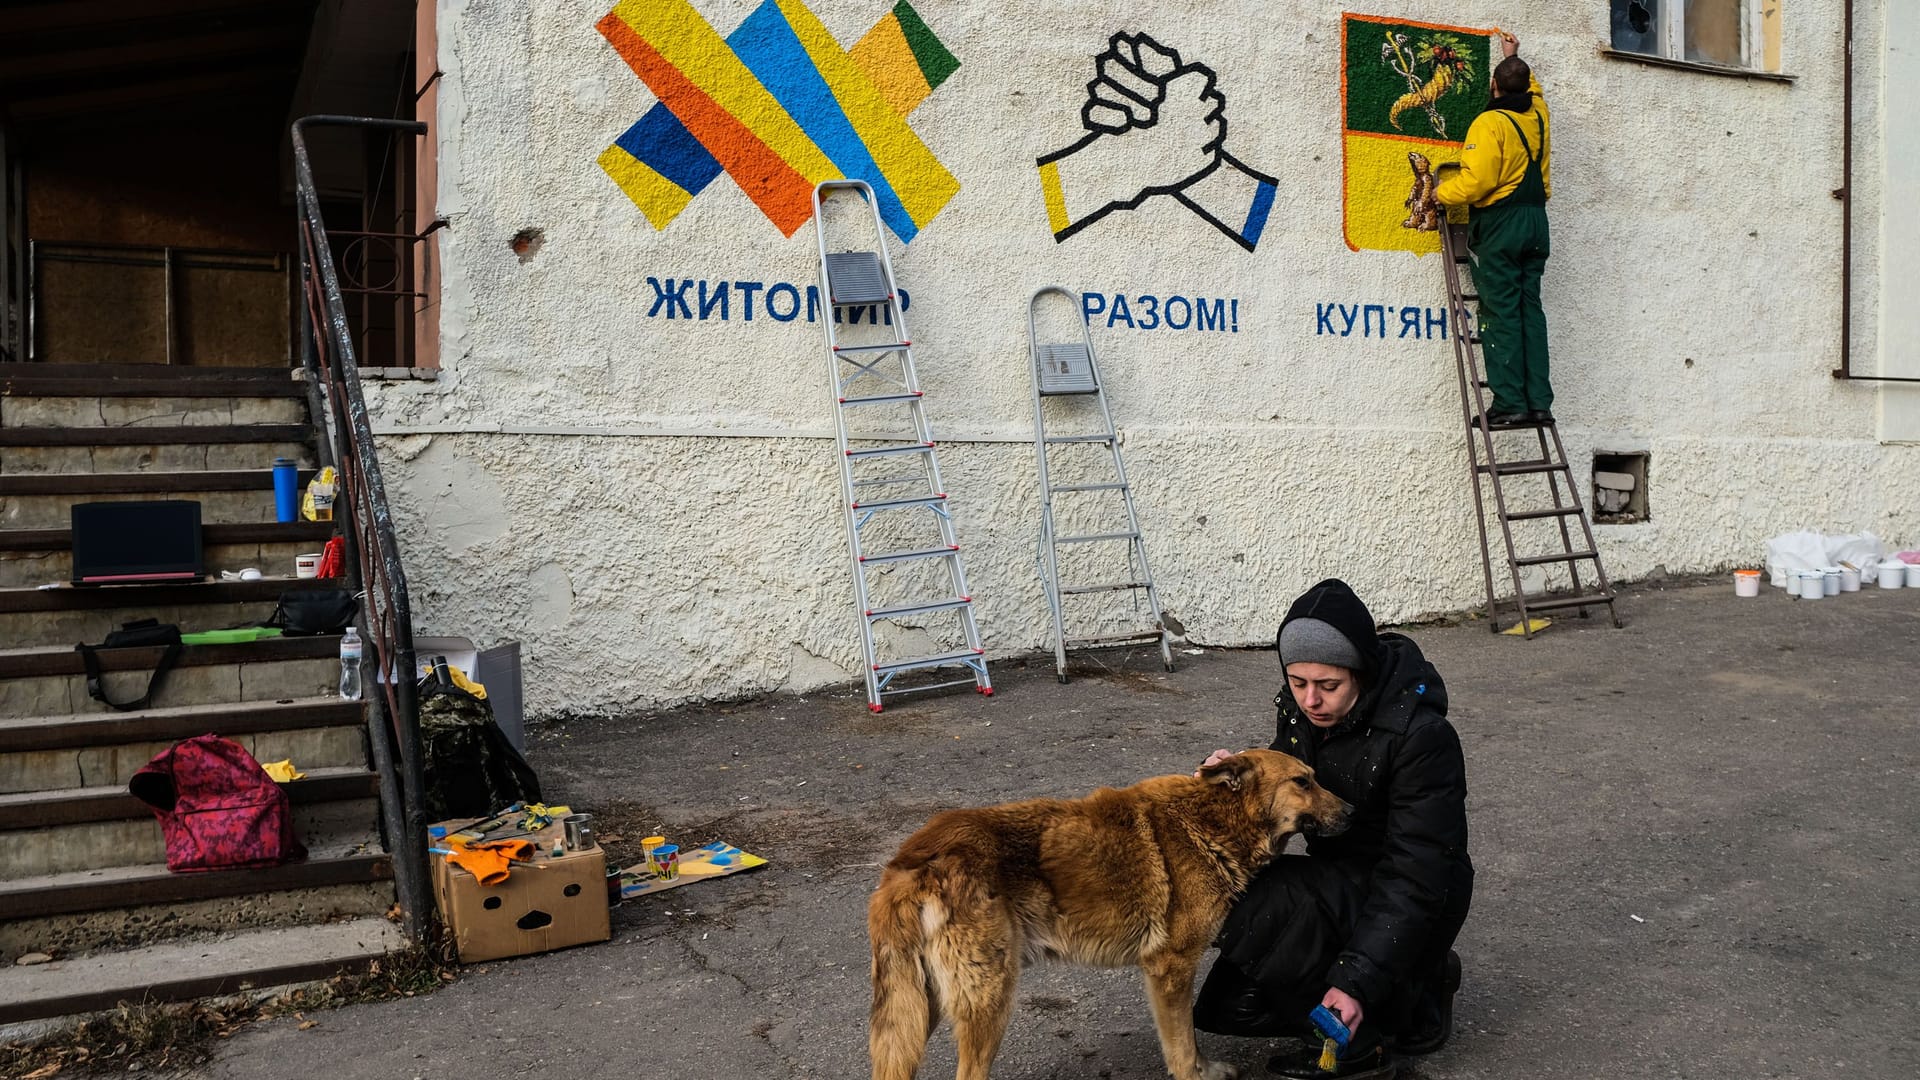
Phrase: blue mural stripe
(1257, 213)
(662, 143)
(770, 49)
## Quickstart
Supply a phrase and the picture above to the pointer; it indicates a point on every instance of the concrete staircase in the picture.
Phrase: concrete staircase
(82, 870)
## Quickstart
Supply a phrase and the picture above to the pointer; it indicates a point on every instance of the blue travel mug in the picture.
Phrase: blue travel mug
(286, 489)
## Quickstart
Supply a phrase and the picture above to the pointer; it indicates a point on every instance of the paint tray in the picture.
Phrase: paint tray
(716, 860)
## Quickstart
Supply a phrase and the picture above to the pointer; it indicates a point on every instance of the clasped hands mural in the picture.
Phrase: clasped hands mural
(778, 105)
(1156, 125)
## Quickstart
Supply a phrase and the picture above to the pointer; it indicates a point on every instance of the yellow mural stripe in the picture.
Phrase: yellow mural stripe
(1056, 200)
(889, 61)
(659, 198)
(916, 176)
(682, 38)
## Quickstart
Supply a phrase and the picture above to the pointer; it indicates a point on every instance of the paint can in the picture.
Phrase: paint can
(1849, 579)
(1746, 583)
(577, 829)
(1893, 575)
(1812, 585)
(665, 861)
(308, 565)
(647, 844)
(1913, 575)
(1830, 580)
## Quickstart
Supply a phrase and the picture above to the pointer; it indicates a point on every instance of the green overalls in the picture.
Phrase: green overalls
(1510, 249)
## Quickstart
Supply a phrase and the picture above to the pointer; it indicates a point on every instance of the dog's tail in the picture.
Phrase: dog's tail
(905, 1009)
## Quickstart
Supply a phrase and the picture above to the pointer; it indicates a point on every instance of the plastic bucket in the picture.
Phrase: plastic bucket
(1812, 585)
(1913, 575)
(1849, 579)
(1746, 583)
(1893, 575)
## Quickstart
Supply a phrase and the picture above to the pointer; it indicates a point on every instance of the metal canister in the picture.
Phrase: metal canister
(572, 827)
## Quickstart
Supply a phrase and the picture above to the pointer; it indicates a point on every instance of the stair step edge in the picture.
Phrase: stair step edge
(152, 883)
(69, 731)
(193, 968)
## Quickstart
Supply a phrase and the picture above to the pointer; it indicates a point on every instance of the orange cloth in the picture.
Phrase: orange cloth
(488, 862)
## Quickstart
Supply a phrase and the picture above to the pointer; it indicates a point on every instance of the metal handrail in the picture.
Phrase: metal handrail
(333, 387)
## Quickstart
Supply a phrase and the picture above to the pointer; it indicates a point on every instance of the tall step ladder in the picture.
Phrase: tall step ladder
(889, 481)
(1068, 370)
(1543, 456)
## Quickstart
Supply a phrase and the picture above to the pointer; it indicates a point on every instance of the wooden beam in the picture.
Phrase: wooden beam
(166, 55)
(58, 15)
(31, 110)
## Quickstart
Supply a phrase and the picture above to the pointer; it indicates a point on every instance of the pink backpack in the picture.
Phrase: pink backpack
(217, 808)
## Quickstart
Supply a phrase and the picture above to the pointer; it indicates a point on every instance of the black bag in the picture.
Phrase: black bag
(314, 611)
(470, 768)
(141, 633)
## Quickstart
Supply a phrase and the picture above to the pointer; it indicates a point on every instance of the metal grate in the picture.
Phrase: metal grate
(855, 277)
(1066, 369)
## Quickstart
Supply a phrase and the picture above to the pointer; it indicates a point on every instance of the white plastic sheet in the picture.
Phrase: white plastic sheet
(1810, 550)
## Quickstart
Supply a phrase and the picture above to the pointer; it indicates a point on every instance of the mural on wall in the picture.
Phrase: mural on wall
(1404, 83)
(779, 106)
(1156, 125)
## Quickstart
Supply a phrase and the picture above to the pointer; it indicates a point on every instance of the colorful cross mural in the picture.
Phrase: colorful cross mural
(1408, 92)
(779, 106)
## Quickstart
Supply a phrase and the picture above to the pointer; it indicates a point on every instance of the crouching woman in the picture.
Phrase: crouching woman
(1363, 923)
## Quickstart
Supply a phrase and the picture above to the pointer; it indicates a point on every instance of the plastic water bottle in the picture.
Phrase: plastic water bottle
(350, 650)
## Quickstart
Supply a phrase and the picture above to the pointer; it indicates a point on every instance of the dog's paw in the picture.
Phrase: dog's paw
(1218, 1070)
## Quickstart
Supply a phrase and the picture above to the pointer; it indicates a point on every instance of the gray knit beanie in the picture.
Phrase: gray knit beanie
(1311, 641)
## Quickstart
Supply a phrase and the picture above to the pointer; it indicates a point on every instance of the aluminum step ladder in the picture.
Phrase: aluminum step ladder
(1542, 456)
(891, 477)
(1064, 370)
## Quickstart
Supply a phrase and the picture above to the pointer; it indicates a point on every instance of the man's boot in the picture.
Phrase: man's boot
(1432, 1019)
(1366, 1059)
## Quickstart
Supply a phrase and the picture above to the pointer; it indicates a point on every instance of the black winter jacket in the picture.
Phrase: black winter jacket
(1398, 761)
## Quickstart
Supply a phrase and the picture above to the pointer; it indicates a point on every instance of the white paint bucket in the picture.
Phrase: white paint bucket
(1913, 575)
(1849, 579)
(1746, 583)
(1830, 580)
(1893, 575)
(307, 566)
(1811, 585)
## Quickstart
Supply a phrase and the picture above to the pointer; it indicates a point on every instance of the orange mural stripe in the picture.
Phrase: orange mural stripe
(775, 187)
(1476, 31)
(888, 60)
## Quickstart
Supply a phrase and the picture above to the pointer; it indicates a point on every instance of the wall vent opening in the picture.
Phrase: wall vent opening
(1620, 488)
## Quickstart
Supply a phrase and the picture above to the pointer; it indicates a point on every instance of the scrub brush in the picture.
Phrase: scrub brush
(1334, 1036)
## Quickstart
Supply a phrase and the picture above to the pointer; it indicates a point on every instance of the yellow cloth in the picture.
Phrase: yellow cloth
(282, 771)
(488, 862)
(460, 680)
(540, 815)
(1494, 159)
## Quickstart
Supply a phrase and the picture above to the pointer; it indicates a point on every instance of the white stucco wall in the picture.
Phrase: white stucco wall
(650, 504)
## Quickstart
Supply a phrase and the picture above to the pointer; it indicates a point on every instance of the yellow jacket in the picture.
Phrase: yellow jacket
(1494, 159)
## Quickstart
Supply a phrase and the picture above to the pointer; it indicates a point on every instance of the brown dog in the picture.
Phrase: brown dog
(1140, 875)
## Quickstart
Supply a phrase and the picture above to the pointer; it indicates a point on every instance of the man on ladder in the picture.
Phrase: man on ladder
(1503, 177)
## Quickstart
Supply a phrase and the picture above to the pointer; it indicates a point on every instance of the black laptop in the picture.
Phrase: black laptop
(117, 543)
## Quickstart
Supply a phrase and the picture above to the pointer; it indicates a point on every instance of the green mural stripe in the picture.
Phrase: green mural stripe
(936, 63)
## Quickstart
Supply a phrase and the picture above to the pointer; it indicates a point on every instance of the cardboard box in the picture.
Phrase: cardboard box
(543, 905)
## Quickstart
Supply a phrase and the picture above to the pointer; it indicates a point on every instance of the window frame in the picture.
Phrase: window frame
(1758, 42)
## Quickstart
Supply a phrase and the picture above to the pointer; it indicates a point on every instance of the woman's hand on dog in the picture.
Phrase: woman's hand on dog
(1213, 759)
(1345, 1006)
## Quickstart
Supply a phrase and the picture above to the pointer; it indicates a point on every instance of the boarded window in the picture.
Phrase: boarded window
(1713, 31)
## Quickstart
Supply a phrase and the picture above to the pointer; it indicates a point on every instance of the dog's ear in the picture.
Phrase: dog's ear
(1232, 771)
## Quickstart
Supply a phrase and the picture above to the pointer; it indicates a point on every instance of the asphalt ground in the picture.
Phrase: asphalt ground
(1694, 840)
